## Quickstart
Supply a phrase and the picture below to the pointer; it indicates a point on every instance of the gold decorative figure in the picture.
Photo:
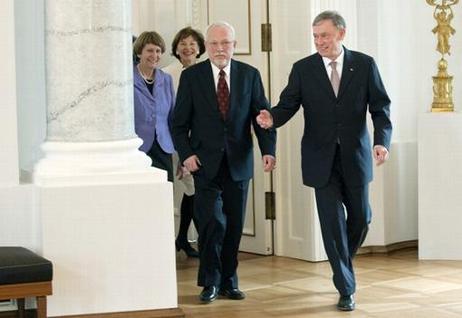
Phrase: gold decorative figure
(444, 30)
(442, 82)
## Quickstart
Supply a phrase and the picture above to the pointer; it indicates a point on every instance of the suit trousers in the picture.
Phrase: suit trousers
(343, 232)
(219, 213)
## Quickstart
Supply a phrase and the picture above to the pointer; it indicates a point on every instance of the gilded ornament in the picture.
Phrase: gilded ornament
(442, 82)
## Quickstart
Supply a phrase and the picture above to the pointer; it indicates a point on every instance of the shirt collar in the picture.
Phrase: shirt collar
(339, 60)
(216, 70)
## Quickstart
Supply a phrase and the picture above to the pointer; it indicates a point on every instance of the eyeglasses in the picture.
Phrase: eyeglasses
(225, 44)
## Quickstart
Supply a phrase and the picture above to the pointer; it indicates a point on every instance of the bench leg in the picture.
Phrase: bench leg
(41, 307)
(21, 307)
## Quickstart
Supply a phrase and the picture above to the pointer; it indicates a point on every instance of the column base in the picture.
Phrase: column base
(95, 162)
(111, 245)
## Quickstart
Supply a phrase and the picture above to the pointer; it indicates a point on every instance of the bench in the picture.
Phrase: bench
(25, 274)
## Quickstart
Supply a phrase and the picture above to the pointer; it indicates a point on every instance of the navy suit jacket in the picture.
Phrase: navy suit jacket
(198, 128)
(329, 119)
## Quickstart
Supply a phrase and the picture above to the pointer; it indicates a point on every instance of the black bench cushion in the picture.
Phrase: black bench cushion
(19, 265)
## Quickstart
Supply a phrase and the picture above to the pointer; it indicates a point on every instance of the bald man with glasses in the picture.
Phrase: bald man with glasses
(216, 106)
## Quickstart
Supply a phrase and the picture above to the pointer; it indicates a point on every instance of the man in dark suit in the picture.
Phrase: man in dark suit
(336, 87)
(217, 101)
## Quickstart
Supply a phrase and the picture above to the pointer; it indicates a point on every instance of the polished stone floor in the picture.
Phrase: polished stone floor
(389, 285)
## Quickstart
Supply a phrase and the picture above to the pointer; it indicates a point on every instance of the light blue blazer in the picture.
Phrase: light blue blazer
(153, 111)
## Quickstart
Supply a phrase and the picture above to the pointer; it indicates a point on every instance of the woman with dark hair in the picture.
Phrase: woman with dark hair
(187, 46)
(154, 98)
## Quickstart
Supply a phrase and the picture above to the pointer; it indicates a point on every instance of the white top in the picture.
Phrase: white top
(186, 184)
(175, 68)
(339, 67)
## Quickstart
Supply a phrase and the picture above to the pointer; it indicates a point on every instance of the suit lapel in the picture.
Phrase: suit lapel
(322, 76)
(141, 85)
(348, 71)
(235, 89)
(208, 84)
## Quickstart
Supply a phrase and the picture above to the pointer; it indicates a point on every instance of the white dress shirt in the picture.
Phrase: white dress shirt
(339, 67)
(227, 70)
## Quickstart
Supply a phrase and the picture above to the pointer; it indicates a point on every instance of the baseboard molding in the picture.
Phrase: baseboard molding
(158, 313)
(387, 248)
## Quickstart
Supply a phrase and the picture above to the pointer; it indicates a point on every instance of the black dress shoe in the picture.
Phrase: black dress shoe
(346, 303)
(187, 248)
(232, 293)
(208, 294)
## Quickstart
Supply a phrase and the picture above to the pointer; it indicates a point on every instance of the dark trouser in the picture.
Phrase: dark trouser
(343, 234)
(186, 215)
(161, 159)
(219, 211)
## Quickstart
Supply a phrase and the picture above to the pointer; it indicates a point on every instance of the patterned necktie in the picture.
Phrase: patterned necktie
(222, 94)
(334, 78)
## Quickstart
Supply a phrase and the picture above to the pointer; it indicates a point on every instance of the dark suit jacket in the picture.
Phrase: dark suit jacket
(198, 128)
(329, 118)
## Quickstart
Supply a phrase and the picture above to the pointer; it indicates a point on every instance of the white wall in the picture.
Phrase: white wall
(18, 221)
(9, 173)
(30, 81)
(164, 17)
(398, 34)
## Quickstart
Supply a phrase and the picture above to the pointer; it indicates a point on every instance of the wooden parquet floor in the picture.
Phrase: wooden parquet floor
(389, 285)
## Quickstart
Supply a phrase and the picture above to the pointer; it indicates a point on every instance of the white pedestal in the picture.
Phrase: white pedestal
(440, 185)
(112, 246)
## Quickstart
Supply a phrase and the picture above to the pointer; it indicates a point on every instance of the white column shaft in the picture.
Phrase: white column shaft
(90, 113)
(89, 73)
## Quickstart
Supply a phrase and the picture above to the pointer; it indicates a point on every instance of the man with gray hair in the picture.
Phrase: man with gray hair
(336, 88)
(217, 103)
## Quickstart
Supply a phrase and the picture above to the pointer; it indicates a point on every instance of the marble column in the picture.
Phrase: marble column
(89, 76)
(106, 215)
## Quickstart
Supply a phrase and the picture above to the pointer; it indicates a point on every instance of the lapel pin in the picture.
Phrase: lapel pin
(351, 69)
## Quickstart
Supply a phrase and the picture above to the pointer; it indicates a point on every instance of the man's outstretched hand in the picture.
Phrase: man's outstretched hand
(264, 119)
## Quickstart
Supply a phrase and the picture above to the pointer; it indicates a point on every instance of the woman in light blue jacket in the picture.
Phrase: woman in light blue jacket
(154, 100)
